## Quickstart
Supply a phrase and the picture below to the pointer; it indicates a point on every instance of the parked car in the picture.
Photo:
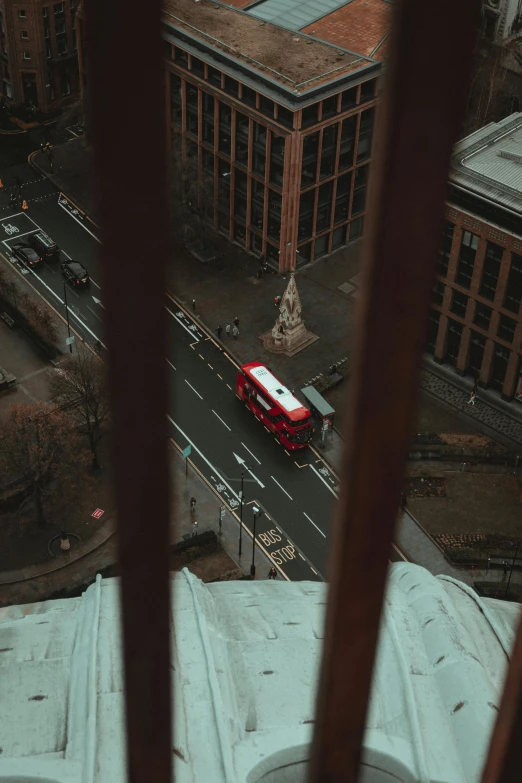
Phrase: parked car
(26, 255)
(75, 273)
(43, 244)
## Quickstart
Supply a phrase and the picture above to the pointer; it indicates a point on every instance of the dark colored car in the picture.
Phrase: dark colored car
(75, 273)
(43, 244)
(26, 255)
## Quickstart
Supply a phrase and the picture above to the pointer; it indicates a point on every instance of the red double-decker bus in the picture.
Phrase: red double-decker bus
(274, 405)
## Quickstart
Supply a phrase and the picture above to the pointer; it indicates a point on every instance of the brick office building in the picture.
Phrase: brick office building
(38, 53)
(279, 121)
(475, 321)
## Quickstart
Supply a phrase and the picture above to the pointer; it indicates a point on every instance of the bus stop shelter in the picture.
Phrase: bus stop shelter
(317, 403)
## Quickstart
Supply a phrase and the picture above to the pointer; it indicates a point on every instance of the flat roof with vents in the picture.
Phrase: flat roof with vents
(294, 14)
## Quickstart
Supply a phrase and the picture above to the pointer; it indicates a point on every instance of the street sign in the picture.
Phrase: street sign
(187, 451)
(221, 512)
(98, 513)
(69, 340)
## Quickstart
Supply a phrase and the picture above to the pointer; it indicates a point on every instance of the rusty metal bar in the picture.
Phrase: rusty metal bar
(503, 762)
(125, 74)
(428, 77)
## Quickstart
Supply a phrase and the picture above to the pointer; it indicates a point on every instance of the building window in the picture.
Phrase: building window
(365, 135)
(445, 251)
(175, 99)
(25, 35)
(181, 57)
(231, 86)
(191, 109)
(329, 107)
(197, 66)
(224, 186)
(324, 207)
(433, 330)
(355, 230)
(240, 196)
(48, 49)
(45, 11)
(225, 114)
(59, 28)
(492, 263)
(277, 159)
(342, 199)
(285, 116)
(368, 91)
(328, 151)
(266, 106)
(306, 215)
(22, 14)
(65, 82)
(309, 162)
(482, 315)
(27, 56)
(208, 118)
(241, 139)
(453, 341)
(459, 304)
(499, 366)
(338, 237)
(257, 208)
(348, 129)
(321, 246)
(249, 96)
(506, 328)
(305, 252)
(274, 215)
(468, 251)
(259, 156)
(477, 345)
(514, 285)
(58, 8)
(72, 4)
(309, 115)
(61, 47)
(214, 76)
(359, 190)
(348, 99)
(208, 162)
(437, 296)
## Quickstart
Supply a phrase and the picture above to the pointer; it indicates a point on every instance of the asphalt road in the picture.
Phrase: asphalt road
(294, 491)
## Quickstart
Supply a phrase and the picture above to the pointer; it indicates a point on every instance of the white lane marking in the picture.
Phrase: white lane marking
(324, 482)
(221, 420)
(60, 204)
(182, 324)
(280, 487)
(253, 455)
(94, 314)
(14, 238)
(193, 389)
(313, 523)
(170, 364)
(211, 466)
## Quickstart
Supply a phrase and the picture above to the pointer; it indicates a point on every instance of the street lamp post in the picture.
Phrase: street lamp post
(67, 314)
(241, 503)
(511, 570)
(257, 512)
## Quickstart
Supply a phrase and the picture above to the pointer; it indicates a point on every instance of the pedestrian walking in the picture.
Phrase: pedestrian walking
(98, 347)
(193, 304)
(472, 398)
(192, 505)
(235, 332)
(236, 322)
(194, 528)
(219, 330)
(227, 330)
(277, 300)
(272, 574)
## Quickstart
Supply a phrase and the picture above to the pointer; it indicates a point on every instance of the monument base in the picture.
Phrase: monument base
(282, 345)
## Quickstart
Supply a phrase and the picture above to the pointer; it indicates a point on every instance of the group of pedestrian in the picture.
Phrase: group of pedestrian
(229, 331)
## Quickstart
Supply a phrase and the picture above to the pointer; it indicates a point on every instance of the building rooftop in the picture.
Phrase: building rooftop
(246, 657)
(360, 25)
(489, 162)
(295, 61)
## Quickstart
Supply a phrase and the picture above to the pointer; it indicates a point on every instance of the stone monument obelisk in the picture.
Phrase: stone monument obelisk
(289, 334)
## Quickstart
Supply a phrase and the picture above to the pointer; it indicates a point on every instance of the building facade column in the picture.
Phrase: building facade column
(290, 202)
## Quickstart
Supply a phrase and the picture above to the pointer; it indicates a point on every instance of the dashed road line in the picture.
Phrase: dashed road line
(170, 363)
(193, 389)
(313, 523)
(219, 376)
(253, 455)
(280, 487)
(221, 420)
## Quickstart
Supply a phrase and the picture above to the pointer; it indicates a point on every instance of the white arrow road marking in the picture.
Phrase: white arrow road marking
(313, 523)
(252, 455)
(193, 389)
(245, 467)
(280, 487)
(324, 482)
(96, 300)
(221, 420)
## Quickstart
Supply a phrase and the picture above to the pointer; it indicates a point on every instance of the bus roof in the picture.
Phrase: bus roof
(283, 396)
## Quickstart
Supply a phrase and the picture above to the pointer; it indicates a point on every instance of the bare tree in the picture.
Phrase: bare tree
(79, 384)
(41, 448)
(191, 196)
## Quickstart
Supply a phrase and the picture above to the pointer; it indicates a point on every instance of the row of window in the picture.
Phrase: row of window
(327, 243)
(490, 271)
(477, 344)
(328, 204)
(482, 316)
(310, 115)
(58, 8)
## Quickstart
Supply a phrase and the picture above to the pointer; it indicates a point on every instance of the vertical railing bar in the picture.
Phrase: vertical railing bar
(419, 123)
(126, 78)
